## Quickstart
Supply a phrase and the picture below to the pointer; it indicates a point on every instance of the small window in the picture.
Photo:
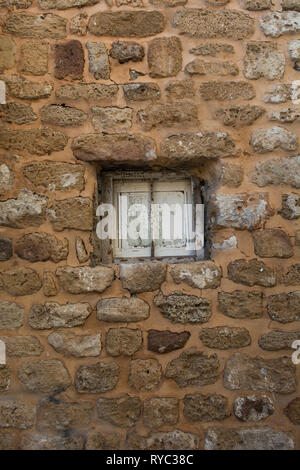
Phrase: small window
(154, 214)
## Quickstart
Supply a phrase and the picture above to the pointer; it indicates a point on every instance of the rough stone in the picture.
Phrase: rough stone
(125, 51)
(82, 280)
(167, 115)
(53, 315)
(285, 115)
(72, 213)
(145, 374)
(290, 5)
(277, 340)
(17, 113)
(48, 376)
(11, 315)
(164, 57)
(102, 441)
(34, 58)
(55, 176)
(204, 23)
(240, 115)
(52, 442)
(19, 87)
(122, 309)
(280, 93)
(226, 91)
(5, 249)
(165, 341)
(87, 91)
(263, 59)
(253, 407)
(49, 284)
(123, 341)
(241, 304)
(121, 148)
(146, 277)
(126, 23)
(40, 246)
(211, 49)
(4, 380)
(292, 411)
(225, 244)
(9, 441)
(252, 272)
(290, 206)
(111, 119)
(22, 346)
(284, 308)
(81, 251)
(7, 53)
(225, 337)
(123, 411)
(62, 115)
(98, 60)
(183, 308)
(292, 276)
(16, 414)
(42, 26)
(28, 209)
(171, 440)
(57, 415)
(21, 281)
(277, 24)
(271, 243)
(267, 140)
(193, 368)
(70, 344)
(69, 60)
(205, 408)
(202, 67)
(158, 412)
(18, 4)
(201, 275)
(254, 373)
(232, 175)
(6, 179)
(277, 171)
(294, 49)
(141, 91)
(34, 141)
(65, 4)
(180, 89)
(256, 5)
(97, 378)
(78, 24)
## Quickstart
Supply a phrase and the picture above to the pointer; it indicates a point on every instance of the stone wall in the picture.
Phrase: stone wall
(149, 355)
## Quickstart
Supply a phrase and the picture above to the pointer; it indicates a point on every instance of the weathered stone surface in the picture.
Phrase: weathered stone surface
(122, 309)
(111, 119)
(62, 115)
(40, 246)
(232, 175)
(193, 368)
(254, 438)
(201, 275)
(145, 374)
(142, 277)
(5, 249)
(102, 441)
(253, 407)
(34, 58)
(78, 24)
(127, 23)
(17, 113)
(70, 344)
(18, 4)
(239, 116)
(211, 49)
(4, 380)
(172, 440)
(49, 284)
(225, 337)
(256, 5)
(294, 49)
(123, 411)
(277, 339)
(21, 281)
(16, 414)
(183, 308)
(203, 23)
(263, 59)
(180, 89)
(97, 378)
(205, 408)
(284, 308)
(72, 213)
(226, 91)
(297, 238)
(254, 373)
(280, 93)
(123, 341)
(19, 87)
(51, 442)
(167, 115)
(242, 211)
(250, 273)
(272, 242)
(22, 346)
(159, 412)
(202, 67)
(277, 24)
(290, 5)
(48, 376)
(293, 411)
(125, 51)
(69, 60)
(284, 115)
(165, 341)
(241, 304)
(28, 209)
(55, 176)
(123, 148)
(225, 244)
(290, 206)
(81, 280)
(292, 276)
(87, 91)
(9, 441)
(53, 315)
(164, 57)
(81, 251)
(42, 26)
(98, 60)
(277, 171)
(7, 53)
(11, 315)
(6, 178)
(34, 141)
(64, 4)
(183, 149)
(61, 415)
(267, 140)
(141, 91)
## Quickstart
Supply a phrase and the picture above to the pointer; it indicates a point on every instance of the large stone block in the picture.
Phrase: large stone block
(165, 57)
(123, 411)
(11, 315)
(284, 308)
(28, 209)
(40, 246)
(252, 272)
(21, 281)
(55, 176)
(201, 275)
(162, 342)
(167, 115)
(277, 171)
(22, 346)
(267, 140)
(87, 91)
(98, 60)
(123, 341)
(53, 315)
(277, 24)
(225, 337)
(124, 309)
(263, 59)
(69, 60)
(34, 58)
(42, 26)
(19, 87)
(171, 440)
(141, 91)
(277, 340)
(125, 51)
(60, 415)
(70, 344)
(290, 206)
(111, 119)
(253, 407)
(97, 378)
(47, 376)
(63, 116)
(17, 113)
(82, 280)
(65, 4)
(34, 141)
(239, 115)
(127, 23)
(142, 277)
(160, 411)
(202, 67)
(183, 308)
(205, 408)
(17, 414)
(7, 53)
(272, 243)
(241, 304)
(226, 91)
(72, 213)
(145, 374)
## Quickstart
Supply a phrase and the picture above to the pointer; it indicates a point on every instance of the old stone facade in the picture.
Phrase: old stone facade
(150, 355)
